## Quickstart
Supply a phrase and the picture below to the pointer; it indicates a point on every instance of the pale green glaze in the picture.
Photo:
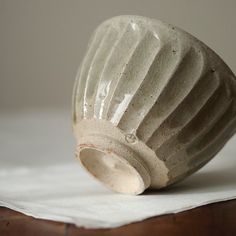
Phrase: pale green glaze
(160, 85)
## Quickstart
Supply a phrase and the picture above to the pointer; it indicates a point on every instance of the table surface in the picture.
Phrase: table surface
(213, 219)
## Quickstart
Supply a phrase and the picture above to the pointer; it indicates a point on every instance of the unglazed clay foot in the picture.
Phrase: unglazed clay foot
(151, 104)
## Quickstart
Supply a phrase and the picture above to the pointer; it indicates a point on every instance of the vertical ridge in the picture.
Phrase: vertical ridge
(189, 72)
(209, 145)
(133, 76)
(161, 70)
(83, 71)
(115, 64)
(96, 68)
(202, 123)
(206, 87)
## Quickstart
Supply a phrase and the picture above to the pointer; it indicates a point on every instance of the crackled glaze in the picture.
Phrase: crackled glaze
(152, 98)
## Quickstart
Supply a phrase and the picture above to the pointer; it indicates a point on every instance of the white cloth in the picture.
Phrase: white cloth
(39, 177)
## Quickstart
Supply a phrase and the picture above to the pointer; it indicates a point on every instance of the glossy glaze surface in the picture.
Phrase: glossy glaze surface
(161, 86)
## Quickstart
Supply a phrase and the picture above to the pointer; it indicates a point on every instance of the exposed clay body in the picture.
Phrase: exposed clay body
(151, 104)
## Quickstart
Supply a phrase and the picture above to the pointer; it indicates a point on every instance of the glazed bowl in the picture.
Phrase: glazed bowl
(151, 104)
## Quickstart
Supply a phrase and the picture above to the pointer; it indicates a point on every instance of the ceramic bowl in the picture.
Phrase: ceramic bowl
(151, 105)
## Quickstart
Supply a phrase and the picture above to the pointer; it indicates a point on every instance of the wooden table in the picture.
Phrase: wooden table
(214, 219)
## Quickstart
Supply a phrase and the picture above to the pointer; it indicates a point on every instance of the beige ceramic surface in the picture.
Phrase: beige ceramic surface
(151, 104)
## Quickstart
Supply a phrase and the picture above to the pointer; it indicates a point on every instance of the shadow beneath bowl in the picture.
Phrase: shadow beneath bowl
(203, 181)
